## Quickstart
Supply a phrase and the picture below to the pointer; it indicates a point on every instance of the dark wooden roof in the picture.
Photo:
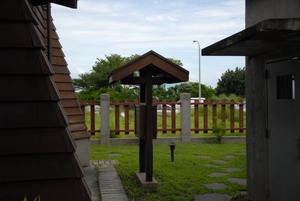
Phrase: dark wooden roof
(37, 151)
(68, 3)
(272, 36)
(163, 70)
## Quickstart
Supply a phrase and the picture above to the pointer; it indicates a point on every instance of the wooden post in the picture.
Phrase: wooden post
(164, 115)
(117, 117)
(149, 129)
(205, 122)
(92, 117)
(196, 115)
(173, 116)
(232, 116)
(241, 115)
(126, 110)
(82, 106)
(223, 105)
(214, 112)
(135, 103)
(142, 143)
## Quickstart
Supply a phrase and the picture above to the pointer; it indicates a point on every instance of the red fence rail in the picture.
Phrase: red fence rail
(168, 110)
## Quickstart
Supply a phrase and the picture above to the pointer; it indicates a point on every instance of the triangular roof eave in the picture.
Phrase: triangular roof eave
(147, 59)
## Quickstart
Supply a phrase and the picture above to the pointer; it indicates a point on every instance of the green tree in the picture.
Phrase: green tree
(232, 82)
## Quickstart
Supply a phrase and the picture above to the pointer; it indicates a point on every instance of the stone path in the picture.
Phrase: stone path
(111, 188)
(218, 186)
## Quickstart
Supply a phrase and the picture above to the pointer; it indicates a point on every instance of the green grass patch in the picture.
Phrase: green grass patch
(183, 179)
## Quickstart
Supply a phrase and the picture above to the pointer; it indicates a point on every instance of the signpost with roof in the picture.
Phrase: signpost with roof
(148, 70)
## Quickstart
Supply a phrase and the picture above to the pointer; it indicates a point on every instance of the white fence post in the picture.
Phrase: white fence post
(185, 117)
(104, 117)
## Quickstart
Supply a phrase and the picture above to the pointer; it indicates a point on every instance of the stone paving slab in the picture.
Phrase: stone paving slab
(232, 169)
(213, 197)
(230, 156)
(111, 188)
(216, 186)
(211, 165)
(220, 161)
(203, 156)
(91, 178)
(218, 174)
(238, 181)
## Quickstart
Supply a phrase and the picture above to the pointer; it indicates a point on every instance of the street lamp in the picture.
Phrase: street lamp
(195, 41)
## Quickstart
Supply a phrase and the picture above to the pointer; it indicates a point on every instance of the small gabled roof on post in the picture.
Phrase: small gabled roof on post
(68, 3)
(163, 70)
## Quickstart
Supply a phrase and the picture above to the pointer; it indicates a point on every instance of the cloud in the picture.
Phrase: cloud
(128, 27)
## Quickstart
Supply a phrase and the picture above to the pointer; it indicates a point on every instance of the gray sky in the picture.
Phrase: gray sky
(98, 28)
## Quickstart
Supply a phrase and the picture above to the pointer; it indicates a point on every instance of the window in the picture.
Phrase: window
(286, 87)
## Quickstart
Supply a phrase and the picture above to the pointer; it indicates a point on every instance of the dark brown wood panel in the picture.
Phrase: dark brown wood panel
(73, 111)
(61, 70)
(60, 61)
(31, 115)
(62, 78)
(11, 31)
(24, 62)
(42, 166)
(66, 87)
(75, 119)
(21, 11)
(70, 103)
(68, 95)
(30, 141)
(56, 52)
(80, 134)
(77, 127)
(67, 189)
(26, 88)
(56, 44)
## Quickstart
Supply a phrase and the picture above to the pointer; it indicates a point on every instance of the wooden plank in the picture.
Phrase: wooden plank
(164, 115)
(60, 61)
(173, 124)
(77, 127)
(232, 116)
(214, 112)
(80, 134)
(73, 111)
(70, 103)
(62, 78)
(61, 70)
(68, 95)
(205, 114)
(76, 119)
(39, 166)
(117, 117)
(66, 189)
(18, 62)
(241, 115)
(196, 116)
(31, 115)
(38, 140)
(126, 108)
(57, 52)
(223, 112)
(65, 87)
(56, 44)
(15, 88)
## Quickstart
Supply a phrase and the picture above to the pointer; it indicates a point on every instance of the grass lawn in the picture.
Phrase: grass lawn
(183, 179)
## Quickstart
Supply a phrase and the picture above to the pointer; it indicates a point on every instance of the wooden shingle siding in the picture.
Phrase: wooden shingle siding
(33, 140)
(49, 190)
(28, 88)
(37, 150)
(46, 166)
(25, 62)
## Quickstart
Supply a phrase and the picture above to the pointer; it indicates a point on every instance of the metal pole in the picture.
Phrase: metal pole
(195, 41)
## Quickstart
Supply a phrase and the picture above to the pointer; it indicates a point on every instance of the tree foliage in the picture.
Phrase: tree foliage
(174, 92)
(94, 83)
(232, 82)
